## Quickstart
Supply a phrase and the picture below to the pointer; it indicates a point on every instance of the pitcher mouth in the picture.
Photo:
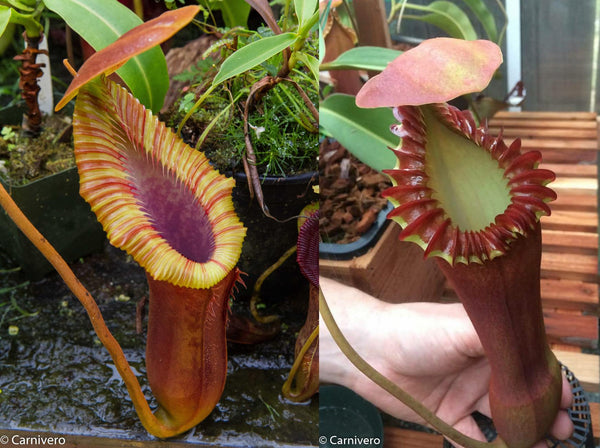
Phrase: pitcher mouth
(459, 192)
(157, 198)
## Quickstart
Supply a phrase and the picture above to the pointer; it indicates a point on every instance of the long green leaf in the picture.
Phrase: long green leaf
(364, 132)
(100, 23)
(363, 58)
(446, 16)
(486, 18)
(4, 18)
(304, 10)
(252, 55)
(312, 63)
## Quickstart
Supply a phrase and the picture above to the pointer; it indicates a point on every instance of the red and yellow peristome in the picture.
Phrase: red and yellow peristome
(162, 202)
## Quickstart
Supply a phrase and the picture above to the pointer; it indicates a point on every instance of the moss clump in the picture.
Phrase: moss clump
(23, 159)
(285, 141)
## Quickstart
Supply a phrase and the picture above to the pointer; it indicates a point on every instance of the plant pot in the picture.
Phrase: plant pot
(332, 251)
(583, 436)
(347, 419)
(54, 206)
(267, 240)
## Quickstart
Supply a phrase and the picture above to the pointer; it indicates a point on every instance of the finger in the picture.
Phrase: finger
(563, 427)
(566, 399)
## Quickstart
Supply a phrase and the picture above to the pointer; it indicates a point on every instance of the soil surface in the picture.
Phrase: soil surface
(350, 194)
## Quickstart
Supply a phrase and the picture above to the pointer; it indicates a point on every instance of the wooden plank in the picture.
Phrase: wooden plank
(556, 143)
(571, 170)
(405, 438)
(580, 267)
(575, 329)
(585, 367)
(575, 184)
(589, 116)
(541, 123)
(568, 241)
(574, 221)
(556, 293)
(595, 410)
(567, 200)
(569, 294)
(572, 156)
(535, 132)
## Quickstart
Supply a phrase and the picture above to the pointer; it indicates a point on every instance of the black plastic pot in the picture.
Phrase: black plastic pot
(346, 419)
(583, 435)
(54, 206)
(267, 240)
(332, 251)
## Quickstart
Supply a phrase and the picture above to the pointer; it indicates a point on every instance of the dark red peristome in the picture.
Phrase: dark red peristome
(423, 216)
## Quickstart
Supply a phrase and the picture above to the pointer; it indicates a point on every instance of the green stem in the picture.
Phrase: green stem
(408, 400)
(195, 107)
(33, 28)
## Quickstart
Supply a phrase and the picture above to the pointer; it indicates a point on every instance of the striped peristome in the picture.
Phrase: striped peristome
(157, 198)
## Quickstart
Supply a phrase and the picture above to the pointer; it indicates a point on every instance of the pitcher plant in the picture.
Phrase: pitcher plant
(474, 203)
(161, 201)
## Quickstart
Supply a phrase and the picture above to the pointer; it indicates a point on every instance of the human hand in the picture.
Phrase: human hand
(430, 350)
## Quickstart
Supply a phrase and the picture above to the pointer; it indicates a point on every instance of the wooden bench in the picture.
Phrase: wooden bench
(569, 145)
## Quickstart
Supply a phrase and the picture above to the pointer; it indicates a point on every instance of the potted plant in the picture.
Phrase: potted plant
(479, 218)
(37, 157)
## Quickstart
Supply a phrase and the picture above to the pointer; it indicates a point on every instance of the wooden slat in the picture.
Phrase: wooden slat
(564, 294)
(542, 124)
(575, 329)
(570, 170)
(404, 438)
(535, 132)
(570, 294)
(556, 143)
(585, 367)
(573, 156)
(580, 185)
(581, 267)
(574, 221)
(567, 200)
(585, 116)
(568, 241)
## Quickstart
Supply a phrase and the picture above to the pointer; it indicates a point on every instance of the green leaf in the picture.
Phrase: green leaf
(235, 12)
(486, 18)
(304, 10)
(446, 16)
(364, 132)
(363, 58)
(321, 45)
(311, 62)
(252, 55)
(4, 18)
(22, 6)
(100, 23)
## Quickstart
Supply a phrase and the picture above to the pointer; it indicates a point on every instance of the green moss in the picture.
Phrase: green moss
(285, 142)
(23, 160)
